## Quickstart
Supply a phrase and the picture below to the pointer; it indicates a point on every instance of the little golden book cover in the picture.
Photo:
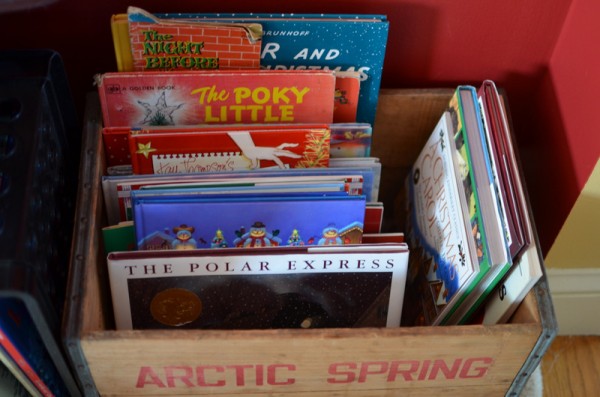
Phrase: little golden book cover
(288, 287)
(216, 97)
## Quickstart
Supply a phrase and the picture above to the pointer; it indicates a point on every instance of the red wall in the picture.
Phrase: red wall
(432, 43)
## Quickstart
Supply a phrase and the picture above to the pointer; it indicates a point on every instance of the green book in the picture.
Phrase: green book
(119, 237)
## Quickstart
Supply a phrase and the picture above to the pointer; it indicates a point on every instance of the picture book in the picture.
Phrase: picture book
(259, 288)
(349, 184)
(373, 217)
(310, 189)
(13, 381)
(508, 295)
(119, 27)
(383, 238)
(471, 144)
(340, 42)
(361, 162)
(346, 140)
(116, 146)
(20, 339)
(172, 44)
(479, 155)
(350, 140)
(245, 220)
(347, 93)
(233, 148)
(443, 263)
(116, 189)
(216, 97)
(119, 237)
(505, 168)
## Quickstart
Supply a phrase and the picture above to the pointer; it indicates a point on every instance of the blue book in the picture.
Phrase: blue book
(341, 42)
(21, 341)
(185, 222)
(132, 182)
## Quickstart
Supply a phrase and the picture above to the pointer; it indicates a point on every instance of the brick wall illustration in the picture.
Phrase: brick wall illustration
(157, 47)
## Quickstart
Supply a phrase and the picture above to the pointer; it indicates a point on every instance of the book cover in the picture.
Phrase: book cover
(361, 162)
(119, 237)
(346, 140)
(383, 238)
(265, 220)
(348, 184)
(285, 287)
(479, 155)
(347, 93)
(216, 97)
(116, 146)
(21, 341)
(354, 43)
(170, 44)
(373, 217)
(116, 189)
(350, 140)
(443, 262)
(119, 28)
(509, 294)
(13, 381)
(194, 150)
(506, 172)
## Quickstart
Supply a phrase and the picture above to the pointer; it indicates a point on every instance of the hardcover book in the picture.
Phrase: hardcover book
(355, 43)
(505, 168)
(361, 162)
(508, 295)
(21, 341)
(216, 97)
(443, 263)
(347, 93)
(13, 381)
(285, 287)
(117, 189)
(471, 143)
(170, 44)
(346, 140)
(350, 184)
(350, 140)
(195, 150)
(185, 221)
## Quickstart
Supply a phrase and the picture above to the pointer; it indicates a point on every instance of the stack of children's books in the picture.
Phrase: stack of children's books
(240, 188)
(470, 235)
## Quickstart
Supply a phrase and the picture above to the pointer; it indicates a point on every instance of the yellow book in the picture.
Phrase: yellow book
(120, 31)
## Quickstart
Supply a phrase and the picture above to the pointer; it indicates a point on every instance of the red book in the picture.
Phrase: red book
(218, 149)
(347, 90)
(216, 97)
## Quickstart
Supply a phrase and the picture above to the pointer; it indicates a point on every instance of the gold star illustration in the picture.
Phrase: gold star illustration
(145, 149)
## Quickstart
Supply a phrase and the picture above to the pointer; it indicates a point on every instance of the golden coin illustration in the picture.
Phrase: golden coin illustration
(175, 307)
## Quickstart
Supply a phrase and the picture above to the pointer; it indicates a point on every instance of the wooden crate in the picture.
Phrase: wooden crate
(421, 361)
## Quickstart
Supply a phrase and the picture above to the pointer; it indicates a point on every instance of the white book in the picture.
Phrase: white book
(510, 293)
(281, 287)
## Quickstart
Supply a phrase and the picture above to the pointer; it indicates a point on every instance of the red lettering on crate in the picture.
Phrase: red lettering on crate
(215, 376)
(409, 370)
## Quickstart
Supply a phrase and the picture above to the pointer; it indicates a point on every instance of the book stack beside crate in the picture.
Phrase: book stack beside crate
(241, 228)
(39, 159)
